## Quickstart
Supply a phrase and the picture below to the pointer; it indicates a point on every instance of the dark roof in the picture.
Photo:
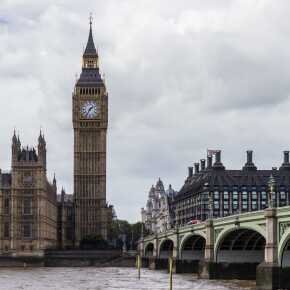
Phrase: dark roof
(27, 155)
(90, 77)
(90, 48)
(220, 180)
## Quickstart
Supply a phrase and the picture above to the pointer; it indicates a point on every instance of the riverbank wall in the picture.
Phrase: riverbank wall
(71, 258)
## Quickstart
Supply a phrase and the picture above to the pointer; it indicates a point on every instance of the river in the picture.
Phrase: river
(105, 278)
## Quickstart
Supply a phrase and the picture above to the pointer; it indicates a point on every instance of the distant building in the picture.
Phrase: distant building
(65, 220)
(28, 223)
(158, 215)
(214, 190)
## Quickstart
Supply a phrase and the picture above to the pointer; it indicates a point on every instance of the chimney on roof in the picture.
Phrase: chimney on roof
(202, 164)
(249, 164)
(218, 164)
(286, 163)
(190, 171)
(209, 162)
(218, 157)
(196, 168)
(249, 156)
(286, 157)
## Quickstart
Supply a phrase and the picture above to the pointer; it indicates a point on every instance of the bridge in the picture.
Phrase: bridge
(254, 245)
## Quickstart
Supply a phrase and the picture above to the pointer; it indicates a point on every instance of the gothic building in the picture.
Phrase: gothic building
(90, 122)
(28, 206)
(32, 217)
(159, 214)
(213, 190)
(65, 221)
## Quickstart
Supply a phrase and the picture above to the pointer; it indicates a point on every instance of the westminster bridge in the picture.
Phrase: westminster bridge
(254, 245)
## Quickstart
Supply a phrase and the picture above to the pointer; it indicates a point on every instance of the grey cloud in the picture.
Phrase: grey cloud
(181, 78)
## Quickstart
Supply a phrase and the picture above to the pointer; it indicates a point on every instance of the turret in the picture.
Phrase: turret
(42, 149)
(54, 183)
(62, 195)
(16, 147)
(159, 188)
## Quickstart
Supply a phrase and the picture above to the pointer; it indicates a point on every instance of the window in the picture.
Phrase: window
(6, 205)
(27, 206)
(235, 195)
(226, 195)
(245, 204)
(216, 205)
(264, 195)
(27, 230)
(254, 195)
(254, 204)
(235, 204)
(27, 179)
(216, 195)
(282, 195)
(6, 230)
(245, 195)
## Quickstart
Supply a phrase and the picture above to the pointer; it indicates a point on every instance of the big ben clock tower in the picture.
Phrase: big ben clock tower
(90, 120)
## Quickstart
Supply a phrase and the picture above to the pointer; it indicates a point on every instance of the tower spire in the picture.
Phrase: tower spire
(91, 20)
(90, 49)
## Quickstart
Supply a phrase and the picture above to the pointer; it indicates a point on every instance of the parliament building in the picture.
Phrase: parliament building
(33, 217)
(211, 190)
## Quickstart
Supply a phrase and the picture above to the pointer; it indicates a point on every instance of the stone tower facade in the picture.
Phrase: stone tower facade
(90, 120)
(27, 202)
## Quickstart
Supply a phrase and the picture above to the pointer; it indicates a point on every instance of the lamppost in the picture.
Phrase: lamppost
(210, 205)
(271, 185)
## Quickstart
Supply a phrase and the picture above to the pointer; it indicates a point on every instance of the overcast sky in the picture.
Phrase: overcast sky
(182, 76)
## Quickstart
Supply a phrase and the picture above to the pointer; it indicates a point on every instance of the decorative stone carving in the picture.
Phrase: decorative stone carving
(283, 226)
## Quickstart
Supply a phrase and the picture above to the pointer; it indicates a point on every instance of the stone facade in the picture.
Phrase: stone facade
(65, 220)
(158, 215)
(90, 121)
(28, 204)
(33, 218)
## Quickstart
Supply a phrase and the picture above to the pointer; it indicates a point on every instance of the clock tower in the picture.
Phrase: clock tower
(90, 121)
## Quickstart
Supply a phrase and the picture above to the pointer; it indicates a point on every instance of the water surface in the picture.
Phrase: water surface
(105, 278)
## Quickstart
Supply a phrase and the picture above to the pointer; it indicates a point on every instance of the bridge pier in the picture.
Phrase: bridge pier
(207, 268)
(268, 272)
(186, 266)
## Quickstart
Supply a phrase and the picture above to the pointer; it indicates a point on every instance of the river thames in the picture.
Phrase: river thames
(104, 278)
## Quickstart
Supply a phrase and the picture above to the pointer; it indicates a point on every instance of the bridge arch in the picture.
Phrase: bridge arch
(192, 247)
(149, 250)
(284, 250)
(166, 248)
(240, 245)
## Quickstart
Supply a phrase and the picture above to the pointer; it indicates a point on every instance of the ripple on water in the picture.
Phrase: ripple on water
(105, 279)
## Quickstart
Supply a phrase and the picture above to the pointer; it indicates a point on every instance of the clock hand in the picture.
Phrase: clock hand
(89, 110)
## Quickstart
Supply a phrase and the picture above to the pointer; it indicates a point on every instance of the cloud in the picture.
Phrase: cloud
(181, 78)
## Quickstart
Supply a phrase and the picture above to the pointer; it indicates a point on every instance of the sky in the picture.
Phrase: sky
(182, 76)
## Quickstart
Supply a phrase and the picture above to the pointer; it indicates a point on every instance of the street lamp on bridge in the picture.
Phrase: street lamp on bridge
(210, 205)
(272, 186)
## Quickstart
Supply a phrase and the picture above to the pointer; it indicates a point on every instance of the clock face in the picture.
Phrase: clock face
(90, 109)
